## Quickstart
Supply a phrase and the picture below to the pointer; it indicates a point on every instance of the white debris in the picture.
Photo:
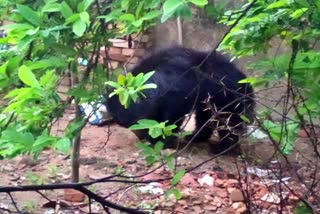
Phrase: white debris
(97, 112)
(271, 197)
(255, 132)
(207, 179)
(258, 172)
(153, 188)
(282, 180)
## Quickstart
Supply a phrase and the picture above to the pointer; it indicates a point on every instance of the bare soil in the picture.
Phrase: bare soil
(223, 185)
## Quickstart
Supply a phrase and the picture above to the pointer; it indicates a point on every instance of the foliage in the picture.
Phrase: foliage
(131, 16)
(44, 40)
(35, 179)
(302, 209)
(285, 19)
(156, 129)
(284, 134)
(130, 87)
(29, 206)
(293, 24)
(153, 154)
(216, 9)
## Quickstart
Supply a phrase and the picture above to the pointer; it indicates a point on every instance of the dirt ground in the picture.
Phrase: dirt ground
(223, 185)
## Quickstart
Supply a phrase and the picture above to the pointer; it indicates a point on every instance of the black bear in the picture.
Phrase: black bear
(191, 81)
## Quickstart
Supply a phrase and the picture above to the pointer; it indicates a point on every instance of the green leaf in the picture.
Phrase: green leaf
(152, 14)
(146, 77)
(86, 4)
(51, 7)
(144, 124)
(113, 84)
(199, 2)
(51, 62)
(127, 17)
(73, 18)
(79, 27)
(124, 99)
(298, 13)
(184, 11)
(63, 145)
(83, 6)
(245, 118)
(169, 7)
(140, 145)
(74, 128)
(124, 4)
(177, 177)
(48, 79)
(42, 141)
(177, 194)
(30, 15)
(277, 4)
(27, 77)
(121, 80)
(65, 9)
(253, 81)
(150, 160)
(147, 86)
(155, 132)
(85, 17)
(169, 160)
(115, 14)
(158, 147)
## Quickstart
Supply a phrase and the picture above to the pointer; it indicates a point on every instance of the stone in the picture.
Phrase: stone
(219, 182)
(197, 209)
(232, 182)
(73, 195)
(236, 195)
(219, 192)
(261, 192)
(8, 168)
(210, 208)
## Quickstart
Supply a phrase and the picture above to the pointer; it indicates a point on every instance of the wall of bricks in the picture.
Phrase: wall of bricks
(120, 55)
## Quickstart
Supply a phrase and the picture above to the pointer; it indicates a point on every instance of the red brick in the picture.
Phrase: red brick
(128, 51)
(121, 43)
(133, 52)
(118, 57)
(114, 50)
